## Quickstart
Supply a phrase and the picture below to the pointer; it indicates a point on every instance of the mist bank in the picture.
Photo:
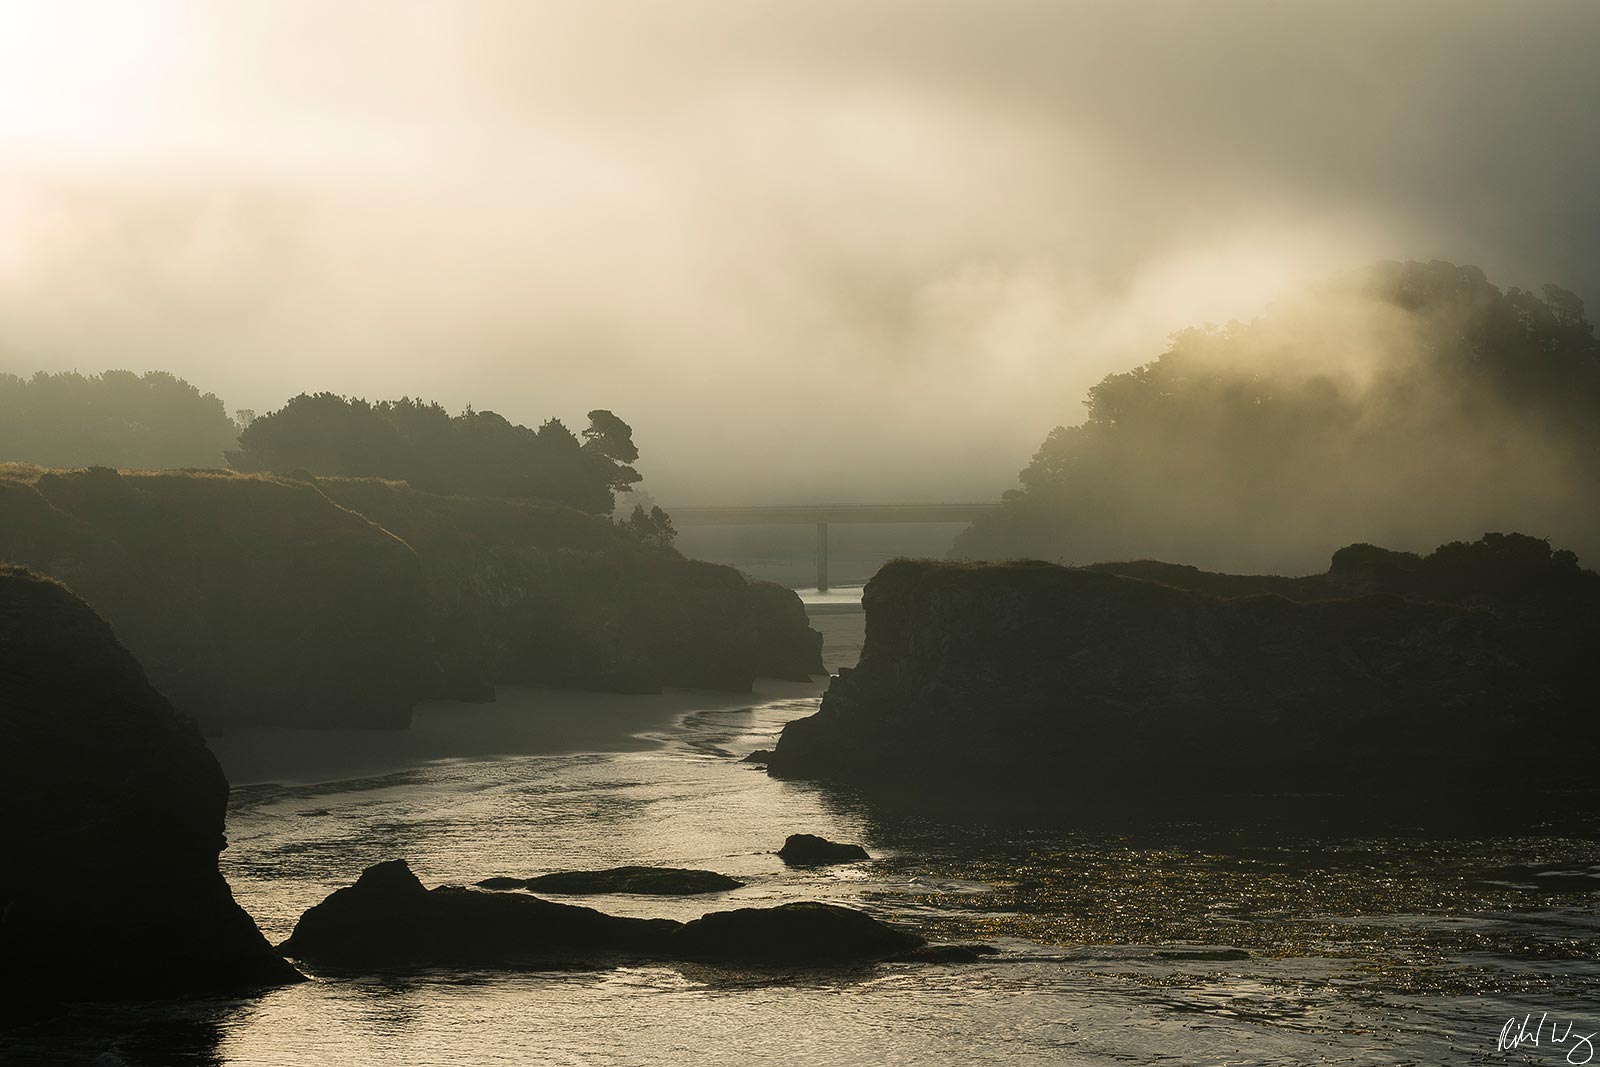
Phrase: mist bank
(257, 599)
(1400, 404)
(1389, 672)
(113, 818)
(979, 209)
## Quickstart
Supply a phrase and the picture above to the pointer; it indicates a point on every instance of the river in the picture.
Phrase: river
(1176, 937)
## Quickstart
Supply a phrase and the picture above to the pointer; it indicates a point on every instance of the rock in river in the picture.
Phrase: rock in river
(387, 919)
(805, 932)
(809, 850)
(646, 881)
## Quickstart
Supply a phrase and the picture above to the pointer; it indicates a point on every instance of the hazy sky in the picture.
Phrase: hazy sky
(812, 251)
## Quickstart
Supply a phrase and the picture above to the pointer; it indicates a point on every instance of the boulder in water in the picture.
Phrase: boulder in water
(809, 850)
(645, 881)
(388, 919)
(802, 933)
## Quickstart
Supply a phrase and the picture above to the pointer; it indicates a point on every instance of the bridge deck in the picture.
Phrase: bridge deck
(821, 515)
(807, 514)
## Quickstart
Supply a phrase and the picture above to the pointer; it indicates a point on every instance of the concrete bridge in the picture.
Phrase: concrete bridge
(822, 515)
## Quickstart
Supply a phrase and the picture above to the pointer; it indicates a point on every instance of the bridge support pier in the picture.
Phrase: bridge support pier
(822, 557)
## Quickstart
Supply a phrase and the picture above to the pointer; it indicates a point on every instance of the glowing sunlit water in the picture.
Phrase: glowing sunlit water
(1116, 942)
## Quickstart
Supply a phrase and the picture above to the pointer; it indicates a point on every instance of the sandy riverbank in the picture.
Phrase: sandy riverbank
(524, 721)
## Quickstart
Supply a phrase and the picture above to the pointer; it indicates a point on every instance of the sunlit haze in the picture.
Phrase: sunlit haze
(897, 240)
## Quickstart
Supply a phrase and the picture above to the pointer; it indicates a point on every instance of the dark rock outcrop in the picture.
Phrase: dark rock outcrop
(387, 919)
(256, 599)
(248, 599)
(645, 881)
(786, 645)
(809, 850)
(527, 592)
(1391, 671)
(800, 933)
(111, 818)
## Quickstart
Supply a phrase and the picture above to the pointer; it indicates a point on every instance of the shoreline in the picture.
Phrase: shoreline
(521, 721)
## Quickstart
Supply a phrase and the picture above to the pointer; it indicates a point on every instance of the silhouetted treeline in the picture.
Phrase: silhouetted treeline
(1398, 405)
(115, 419)
(476, 453)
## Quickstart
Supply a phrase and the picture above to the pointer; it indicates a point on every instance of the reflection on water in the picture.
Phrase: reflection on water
(1234, 936)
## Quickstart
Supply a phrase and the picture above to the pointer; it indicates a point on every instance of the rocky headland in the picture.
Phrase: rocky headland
(527, 592)
(111, 819)
(1390, 671)
(247, 599)
(291, 600)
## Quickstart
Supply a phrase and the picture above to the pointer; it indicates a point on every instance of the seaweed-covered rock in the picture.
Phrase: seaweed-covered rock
(111, 818)
(809, 850)
(1391, 672)
(645, 881)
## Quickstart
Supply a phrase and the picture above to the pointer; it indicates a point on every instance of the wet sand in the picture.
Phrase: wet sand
(523, 721)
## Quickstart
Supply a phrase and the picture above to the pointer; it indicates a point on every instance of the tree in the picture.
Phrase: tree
(610, 436)
(475, 453)
(653, 528)
(1415, 401)
(114, 419)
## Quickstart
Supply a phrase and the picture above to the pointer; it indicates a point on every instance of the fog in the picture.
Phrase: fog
(822, 252)
(1406, 405)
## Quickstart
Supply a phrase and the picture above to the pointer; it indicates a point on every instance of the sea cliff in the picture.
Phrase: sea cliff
(1391, 670)
(528, 592)
(291, 600)
(111, 818)
(247, 598)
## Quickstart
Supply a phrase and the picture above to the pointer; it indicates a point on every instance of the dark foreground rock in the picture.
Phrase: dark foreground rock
(806, 932)
(387, 919)
(111, 818)
(645, 881)
(1392, 672)
(809, 850)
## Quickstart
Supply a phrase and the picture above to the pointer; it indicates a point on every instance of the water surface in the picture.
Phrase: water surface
(1211, 938)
